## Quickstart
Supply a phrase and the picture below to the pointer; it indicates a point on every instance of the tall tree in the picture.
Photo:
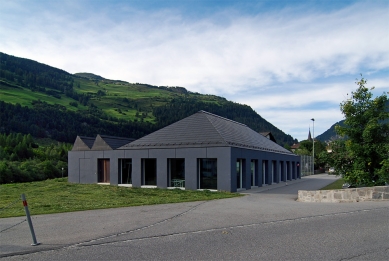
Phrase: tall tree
(362, 158)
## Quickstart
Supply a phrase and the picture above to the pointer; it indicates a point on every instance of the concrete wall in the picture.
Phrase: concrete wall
(83, 165)
(345, 195)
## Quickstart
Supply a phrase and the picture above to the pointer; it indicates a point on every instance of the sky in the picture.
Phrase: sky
(291, 61)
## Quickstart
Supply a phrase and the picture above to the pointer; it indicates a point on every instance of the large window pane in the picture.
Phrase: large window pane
(207, 173)
(254, 164)
(125, 171)
(239, 174)
(177, 172)
(149, 171)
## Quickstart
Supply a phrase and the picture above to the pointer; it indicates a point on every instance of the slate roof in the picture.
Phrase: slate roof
(83, 143)
(104, 142)
(206, 129)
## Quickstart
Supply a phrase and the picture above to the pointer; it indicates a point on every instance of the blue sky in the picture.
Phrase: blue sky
(289, 60)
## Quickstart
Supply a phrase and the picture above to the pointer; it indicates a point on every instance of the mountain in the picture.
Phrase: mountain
(330, 134)
(45, 101)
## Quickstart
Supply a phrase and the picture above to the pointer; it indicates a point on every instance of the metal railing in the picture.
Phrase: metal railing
(306, 165)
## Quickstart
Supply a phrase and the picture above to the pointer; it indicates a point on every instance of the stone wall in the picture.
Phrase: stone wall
(345, 195)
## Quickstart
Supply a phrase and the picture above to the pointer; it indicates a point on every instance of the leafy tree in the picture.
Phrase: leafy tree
(320, 148)
(362, 157)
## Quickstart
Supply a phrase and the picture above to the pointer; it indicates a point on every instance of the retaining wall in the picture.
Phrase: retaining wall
(345, 195)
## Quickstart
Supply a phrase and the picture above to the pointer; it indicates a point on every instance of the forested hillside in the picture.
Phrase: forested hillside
(330, 134)
(44, 101)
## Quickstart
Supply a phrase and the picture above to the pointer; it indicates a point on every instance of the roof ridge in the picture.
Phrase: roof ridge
(216, 129)
(205, 112)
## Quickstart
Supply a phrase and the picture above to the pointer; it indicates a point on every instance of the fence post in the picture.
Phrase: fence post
(35, 243)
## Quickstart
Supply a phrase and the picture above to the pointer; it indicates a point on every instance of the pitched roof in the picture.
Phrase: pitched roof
(206, 129)
(104, 142)
(83, 143)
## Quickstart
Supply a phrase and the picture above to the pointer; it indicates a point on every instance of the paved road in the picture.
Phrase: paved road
(266, 224)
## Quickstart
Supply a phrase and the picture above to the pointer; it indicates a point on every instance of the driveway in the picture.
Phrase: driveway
(267, 224)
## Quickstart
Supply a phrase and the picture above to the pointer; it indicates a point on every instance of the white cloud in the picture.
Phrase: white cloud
(278, 59)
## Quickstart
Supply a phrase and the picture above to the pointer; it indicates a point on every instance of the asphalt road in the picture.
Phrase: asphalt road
(266, 224)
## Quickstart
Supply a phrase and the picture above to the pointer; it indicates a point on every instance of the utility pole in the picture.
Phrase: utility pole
(313, 145)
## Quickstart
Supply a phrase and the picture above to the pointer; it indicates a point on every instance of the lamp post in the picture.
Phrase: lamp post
(62, 172)
(313, 145)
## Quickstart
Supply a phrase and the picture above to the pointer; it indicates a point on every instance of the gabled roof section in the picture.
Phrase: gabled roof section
(268, 135)
(104, 142)
(204, 129)
(83, 143)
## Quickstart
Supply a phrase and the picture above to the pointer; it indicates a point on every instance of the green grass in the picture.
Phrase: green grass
(57, 196)
(141, 98)
(334, 185)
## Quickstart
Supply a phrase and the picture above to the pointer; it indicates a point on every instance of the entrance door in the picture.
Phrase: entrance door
(103, 166)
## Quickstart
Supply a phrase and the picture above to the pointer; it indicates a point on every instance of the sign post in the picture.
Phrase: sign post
(35, 243)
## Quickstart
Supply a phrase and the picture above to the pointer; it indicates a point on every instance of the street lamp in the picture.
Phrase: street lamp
(313, 145)
(62, 172)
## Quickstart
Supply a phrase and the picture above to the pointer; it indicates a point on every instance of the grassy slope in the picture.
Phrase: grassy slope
(57, 196)
(120, 100)
(335, 185)
(141, 98)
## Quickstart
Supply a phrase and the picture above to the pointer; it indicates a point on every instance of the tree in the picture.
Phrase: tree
(320, 148)
(362, 157)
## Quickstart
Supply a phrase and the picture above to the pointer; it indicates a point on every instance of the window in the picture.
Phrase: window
(103, 171)
(176, 170)
(254, 166)
(265, 176)
(149, 172)
(207, 173)
(238, 173)
(125, 171)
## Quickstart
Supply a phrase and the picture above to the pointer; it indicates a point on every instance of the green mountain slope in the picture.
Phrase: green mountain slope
(330, 134)
(49, 102)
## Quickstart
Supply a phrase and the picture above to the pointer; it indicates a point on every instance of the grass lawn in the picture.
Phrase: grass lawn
(57, 196)
(335, 185)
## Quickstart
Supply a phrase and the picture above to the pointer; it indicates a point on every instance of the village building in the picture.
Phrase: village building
(202, 151)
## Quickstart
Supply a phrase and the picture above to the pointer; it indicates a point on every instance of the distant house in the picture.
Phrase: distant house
(202, 151)
(295, 147)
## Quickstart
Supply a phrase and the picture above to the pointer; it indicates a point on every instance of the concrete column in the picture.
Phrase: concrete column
(162, 175)
(191, 173)
(136, 172)
(247, 173)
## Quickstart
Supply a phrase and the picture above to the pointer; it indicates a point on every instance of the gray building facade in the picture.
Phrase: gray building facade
(202, 151)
